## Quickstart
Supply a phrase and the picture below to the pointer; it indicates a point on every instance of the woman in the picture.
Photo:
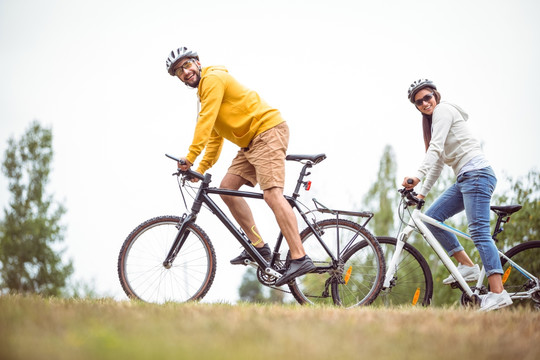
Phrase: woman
(448, 141)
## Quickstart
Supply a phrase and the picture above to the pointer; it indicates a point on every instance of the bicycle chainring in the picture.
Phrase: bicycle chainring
(267, 279)
(473, 301)
(536, 297)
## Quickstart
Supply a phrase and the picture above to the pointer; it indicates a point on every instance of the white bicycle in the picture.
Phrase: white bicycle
(408, 277)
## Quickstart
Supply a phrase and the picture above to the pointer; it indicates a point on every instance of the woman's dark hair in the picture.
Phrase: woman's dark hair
(427, 120)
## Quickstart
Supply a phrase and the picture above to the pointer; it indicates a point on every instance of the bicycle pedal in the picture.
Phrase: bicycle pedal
(250, 263)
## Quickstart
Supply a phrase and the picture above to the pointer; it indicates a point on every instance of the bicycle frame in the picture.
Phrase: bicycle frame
(418, 220)
(203, 197)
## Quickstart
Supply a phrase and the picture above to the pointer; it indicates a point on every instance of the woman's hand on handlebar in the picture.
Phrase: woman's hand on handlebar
(410, 182)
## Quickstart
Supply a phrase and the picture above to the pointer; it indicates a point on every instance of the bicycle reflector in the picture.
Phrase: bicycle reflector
(348, 275)
(416, 296)
(307, 185)
(506, 274)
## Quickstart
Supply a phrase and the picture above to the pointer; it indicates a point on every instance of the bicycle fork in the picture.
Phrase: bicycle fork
(393, 265)
(416, 221)
(179, 241)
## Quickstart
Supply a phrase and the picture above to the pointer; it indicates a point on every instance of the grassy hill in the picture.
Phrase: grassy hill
(37, 328)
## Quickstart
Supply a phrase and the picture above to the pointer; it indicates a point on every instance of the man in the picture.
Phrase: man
(231, 111)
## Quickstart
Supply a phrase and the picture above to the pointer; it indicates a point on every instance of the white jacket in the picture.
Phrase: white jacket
(451, 143)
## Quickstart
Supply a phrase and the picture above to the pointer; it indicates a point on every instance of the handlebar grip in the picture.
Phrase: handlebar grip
(410, 181)
(189, 172)
(182, 162)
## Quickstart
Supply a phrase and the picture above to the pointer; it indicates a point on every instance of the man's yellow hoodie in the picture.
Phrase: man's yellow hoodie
(229, 111)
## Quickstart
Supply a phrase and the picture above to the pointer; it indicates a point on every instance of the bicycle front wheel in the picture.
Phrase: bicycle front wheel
(356, 279)
(522, 288)
(140, 263)
(412, 282)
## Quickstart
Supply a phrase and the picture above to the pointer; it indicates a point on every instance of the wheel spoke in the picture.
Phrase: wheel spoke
(140, 264)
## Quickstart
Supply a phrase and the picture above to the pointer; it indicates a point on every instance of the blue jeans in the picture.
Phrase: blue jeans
(471, 192)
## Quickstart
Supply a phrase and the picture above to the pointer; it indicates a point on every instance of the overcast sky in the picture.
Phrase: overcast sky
(338, 71)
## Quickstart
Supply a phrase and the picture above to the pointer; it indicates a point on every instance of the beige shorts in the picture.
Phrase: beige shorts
(263, 161)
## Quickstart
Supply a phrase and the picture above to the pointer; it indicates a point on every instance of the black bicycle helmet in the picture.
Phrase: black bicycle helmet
(419, 85)
(176, 55)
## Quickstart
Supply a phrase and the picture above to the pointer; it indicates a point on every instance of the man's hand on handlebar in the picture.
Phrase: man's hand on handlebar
(184, 165)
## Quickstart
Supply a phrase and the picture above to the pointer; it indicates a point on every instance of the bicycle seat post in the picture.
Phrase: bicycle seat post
(503, 216)
(300, 180)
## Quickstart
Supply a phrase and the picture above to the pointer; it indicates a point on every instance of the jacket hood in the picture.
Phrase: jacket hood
(461, 111)
(209, 69)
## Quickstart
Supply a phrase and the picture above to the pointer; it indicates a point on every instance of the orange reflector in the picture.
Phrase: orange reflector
(348, 275)
(506, 274)
(416, 296)
(308, 185)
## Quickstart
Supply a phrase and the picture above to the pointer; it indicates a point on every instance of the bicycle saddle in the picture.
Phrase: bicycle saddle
(313, 158)
(505, 210)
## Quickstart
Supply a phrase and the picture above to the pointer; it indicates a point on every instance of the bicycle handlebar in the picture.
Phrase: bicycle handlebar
(410, 195)
(188, 173)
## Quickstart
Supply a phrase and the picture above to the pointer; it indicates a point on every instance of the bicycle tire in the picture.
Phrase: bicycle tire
(527, 255)
(412, 283)
(325, 286)
(140, 263)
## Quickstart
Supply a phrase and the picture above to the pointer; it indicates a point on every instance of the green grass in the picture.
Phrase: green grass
(36, 328)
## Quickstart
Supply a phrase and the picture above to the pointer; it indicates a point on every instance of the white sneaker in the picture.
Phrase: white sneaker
(493, 301)
(469, 273)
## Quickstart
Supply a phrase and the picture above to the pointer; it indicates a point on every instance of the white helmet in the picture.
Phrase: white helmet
(417, 86)
(176, 55)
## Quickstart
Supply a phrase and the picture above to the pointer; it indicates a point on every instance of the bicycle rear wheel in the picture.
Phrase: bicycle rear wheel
(337, 284)
(526, 255)
(140, 263)
(359, 285)
(412, 283)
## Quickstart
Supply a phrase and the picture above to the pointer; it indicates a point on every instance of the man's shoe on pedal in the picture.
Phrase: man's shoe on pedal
(297, 267)
(265, 252)
(469, 273)
(493, 301)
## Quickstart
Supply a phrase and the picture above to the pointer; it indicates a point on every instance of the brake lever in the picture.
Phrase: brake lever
(411, 196)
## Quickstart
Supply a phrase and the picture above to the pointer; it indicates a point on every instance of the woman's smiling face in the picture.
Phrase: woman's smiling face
(425, 101)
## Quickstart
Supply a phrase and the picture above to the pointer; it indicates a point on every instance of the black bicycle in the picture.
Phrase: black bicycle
(171, 258)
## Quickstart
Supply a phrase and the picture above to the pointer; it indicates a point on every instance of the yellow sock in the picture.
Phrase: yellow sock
(257, 235)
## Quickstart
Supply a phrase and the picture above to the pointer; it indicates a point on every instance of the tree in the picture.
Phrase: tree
(382, 195)
(31, 223)
(525, 224)
(253, 291)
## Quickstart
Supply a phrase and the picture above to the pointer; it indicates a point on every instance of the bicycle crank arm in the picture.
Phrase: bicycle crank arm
(272, 272)
(268, 271)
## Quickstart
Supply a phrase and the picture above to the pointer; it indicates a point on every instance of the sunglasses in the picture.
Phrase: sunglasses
(183, 67)
(426, 98)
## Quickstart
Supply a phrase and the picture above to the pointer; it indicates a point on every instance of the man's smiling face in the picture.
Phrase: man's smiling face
(188, 71)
